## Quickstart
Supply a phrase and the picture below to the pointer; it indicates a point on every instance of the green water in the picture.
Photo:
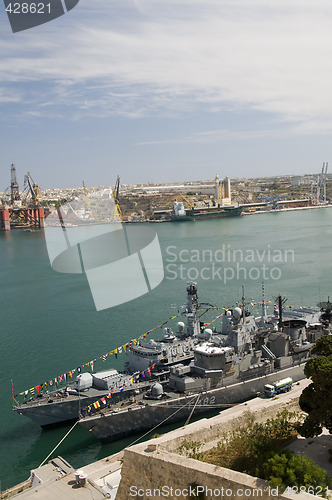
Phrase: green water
(49, 324)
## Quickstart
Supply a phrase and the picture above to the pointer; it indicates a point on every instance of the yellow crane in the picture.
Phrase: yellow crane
(190, 203)
(33, 188)
(86, 199)
(116, 197)
(174, 198)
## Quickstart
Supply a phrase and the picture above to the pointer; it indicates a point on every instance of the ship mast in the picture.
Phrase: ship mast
(193, 323)
(262, 322)
(243, 304)
(281, 301)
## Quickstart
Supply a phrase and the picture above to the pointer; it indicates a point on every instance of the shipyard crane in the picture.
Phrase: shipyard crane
(180, 195)
(116, 198)
(190, 203)
(321, 183)
(15, 193)
(86, 200)
(33, 188)
(324, 184)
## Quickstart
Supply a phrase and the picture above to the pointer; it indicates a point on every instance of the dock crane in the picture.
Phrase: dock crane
(116, 198)
(324, 181)
(33, 188)
(321, 183)
(15, 193)
(86, 200)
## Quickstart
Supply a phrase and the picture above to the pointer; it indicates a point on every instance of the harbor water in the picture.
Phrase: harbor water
(49, 324)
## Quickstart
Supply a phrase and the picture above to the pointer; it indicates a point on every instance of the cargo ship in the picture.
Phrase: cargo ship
(179, 213)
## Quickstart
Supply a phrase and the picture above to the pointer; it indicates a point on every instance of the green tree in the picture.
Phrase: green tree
(288, 469)
(316, 399)
(323, 346)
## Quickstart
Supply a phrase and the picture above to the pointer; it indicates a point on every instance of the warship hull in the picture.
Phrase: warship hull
(116, 424)
(65, 409)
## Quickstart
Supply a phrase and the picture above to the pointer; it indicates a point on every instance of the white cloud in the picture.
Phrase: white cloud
(8, 95)
(149, 57)
(211, 136)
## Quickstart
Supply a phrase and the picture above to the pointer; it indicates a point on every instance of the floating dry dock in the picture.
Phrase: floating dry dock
(21, 218)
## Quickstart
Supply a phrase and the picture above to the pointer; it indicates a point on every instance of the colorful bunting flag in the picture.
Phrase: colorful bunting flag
(69, 374)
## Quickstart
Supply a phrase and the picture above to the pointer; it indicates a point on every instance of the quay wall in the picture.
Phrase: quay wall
(155, 469)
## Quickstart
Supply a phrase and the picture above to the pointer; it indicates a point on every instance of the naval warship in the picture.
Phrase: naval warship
(61, 405)
(228, 367)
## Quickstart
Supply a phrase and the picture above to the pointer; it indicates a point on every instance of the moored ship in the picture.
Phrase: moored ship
(147, 362)
(228, 368)
(208, 367)
(179, 213)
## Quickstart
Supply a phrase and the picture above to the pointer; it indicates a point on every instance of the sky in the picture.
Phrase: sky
(167, 91)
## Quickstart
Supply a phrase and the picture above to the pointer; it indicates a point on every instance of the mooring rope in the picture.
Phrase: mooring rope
(162, 422)
(192, 411)
(48, 456)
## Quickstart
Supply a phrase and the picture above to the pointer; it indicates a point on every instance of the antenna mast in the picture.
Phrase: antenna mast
(281, 301)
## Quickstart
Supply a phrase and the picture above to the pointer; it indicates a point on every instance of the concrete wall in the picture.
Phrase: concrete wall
(151, 469)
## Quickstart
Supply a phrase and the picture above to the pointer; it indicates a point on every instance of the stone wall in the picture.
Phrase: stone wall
(155, 469)
(158, 474)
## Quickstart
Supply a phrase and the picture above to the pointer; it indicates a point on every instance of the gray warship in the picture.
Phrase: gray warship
(229, 367)
(61, 405)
